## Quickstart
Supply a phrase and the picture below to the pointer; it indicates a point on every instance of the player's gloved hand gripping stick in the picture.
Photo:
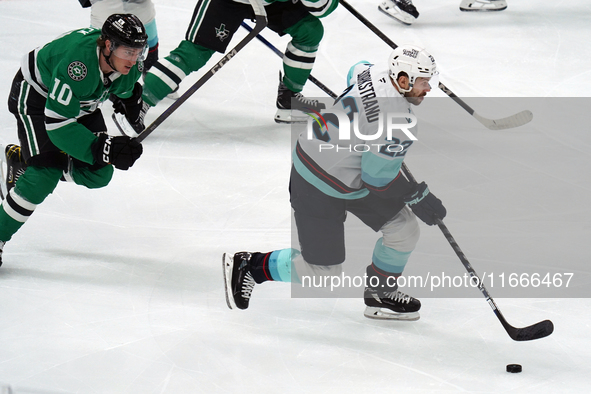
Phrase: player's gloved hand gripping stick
(120, 151)
(424, 204)
(535, 331)
(133, 108)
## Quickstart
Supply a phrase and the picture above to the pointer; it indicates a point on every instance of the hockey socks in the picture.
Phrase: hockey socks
(301, 52)
(275, 266)
(380, 279)
(389, 259)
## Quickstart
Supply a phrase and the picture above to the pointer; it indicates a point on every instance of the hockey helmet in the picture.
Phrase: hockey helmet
(414, 61)
(125, 30)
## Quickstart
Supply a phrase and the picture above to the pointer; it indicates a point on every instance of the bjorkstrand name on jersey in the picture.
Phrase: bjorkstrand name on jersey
(368, 95)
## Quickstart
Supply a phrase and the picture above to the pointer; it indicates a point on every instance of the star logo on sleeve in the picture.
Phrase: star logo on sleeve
(221, 32)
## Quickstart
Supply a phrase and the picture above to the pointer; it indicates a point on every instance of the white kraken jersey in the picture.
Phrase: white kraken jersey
(357, 146)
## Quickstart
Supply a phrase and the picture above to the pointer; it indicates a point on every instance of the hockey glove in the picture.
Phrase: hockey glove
(133, 108)
(152, 58)
(121, 152)
(424, 204)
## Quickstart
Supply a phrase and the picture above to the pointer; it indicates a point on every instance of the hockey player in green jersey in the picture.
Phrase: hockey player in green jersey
(55, 97)
(212, 26)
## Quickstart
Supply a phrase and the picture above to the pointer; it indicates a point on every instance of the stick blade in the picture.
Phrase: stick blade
(535, 331)
(510, 122)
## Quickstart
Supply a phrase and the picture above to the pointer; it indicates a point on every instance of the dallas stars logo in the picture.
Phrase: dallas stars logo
(77, 71)
(221, 32)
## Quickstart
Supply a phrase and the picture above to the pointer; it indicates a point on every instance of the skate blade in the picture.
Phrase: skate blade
(287, 116)
(227, 266)
(386, 314)
(397, 15)
(475, 5)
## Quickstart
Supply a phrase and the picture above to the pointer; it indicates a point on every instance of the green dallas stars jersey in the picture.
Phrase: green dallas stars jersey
(318, 8)
(66, 71)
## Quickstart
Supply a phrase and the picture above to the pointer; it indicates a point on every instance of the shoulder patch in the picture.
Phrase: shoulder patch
(77, 71)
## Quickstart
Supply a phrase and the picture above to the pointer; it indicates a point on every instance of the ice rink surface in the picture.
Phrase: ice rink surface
(120, 290)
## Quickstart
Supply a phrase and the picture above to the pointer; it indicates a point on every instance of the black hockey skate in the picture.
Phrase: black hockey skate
(393, 305)
(238, 279)
(15, 165)
(292, 106)
(385, 302)
(401, 10)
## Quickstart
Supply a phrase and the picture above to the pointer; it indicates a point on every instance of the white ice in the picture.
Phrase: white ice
(120, 290)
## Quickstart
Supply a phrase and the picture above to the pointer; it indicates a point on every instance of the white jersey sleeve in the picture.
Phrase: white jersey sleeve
(362, 144)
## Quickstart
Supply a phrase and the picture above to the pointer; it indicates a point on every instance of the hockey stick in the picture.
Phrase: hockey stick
(535, 331)
(280, 54)
(261, 22)
(519, 119)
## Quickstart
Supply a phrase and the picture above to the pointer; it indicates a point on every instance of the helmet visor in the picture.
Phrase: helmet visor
(131, 54)
(427, 83)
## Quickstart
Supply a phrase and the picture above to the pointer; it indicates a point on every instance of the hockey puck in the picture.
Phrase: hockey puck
(513, 368)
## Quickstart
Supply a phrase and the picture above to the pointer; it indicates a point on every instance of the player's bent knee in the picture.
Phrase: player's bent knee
(93, 179)
(308, 32)
(403, 232)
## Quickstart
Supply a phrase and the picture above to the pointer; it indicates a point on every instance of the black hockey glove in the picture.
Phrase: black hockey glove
(133, 108)
(424, 204)
(152, 58)
(121, 151)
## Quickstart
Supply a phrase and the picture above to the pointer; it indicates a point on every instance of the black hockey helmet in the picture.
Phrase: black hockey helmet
(125, 29)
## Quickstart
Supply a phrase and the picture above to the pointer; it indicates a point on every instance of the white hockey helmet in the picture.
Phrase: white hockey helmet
(412, 60)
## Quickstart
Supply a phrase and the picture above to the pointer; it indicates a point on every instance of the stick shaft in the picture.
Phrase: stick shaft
(261, 22)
